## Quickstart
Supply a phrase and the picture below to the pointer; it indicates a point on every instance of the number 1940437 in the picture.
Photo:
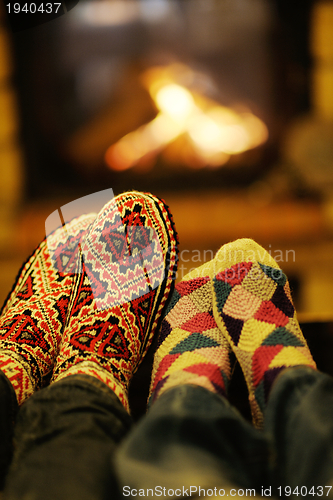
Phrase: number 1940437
(32, 8)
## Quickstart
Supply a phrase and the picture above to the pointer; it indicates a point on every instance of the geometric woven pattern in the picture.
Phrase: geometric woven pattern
(128, 268)
(253, 308)
(34, 314)
(191, 348)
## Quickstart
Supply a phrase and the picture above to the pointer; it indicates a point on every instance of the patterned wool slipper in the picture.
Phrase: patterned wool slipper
(34, 314)
(253, 308)
(129, 264)
(191, 348)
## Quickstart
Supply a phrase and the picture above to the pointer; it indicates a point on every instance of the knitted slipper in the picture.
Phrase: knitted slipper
(33, 316)
(191, 348)
(129, 264)
(253, 308)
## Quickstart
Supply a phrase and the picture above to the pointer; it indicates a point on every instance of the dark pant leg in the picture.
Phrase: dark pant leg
(65, 438)
(299, 423)
(8, 412)
(192, 437)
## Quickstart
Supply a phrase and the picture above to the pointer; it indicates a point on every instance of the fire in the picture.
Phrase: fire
(214, 131)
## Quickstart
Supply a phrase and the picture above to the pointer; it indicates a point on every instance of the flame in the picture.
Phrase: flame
(175, 101)
(215, 132)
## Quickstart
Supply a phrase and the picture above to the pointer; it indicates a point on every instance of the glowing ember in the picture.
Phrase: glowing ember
(215, 132)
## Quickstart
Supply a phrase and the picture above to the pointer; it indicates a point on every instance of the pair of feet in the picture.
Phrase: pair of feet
(241, 302)
(91, 297)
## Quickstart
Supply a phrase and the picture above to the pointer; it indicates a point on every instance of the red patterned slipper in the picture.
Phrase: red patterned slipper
(34, 314)
(253, 308)
(129, 264)
(191, 348)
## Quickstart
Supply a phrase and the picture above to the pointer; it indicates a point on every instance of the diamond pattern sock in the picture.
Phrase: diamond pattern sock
(129, 263)
(34, 314)
(191, 348)
(253, 308)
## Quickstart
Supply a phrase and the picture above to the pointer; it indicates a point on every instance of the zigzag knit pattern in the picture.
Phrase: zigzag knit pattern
(128, 269)
(33, 317)
(191, 348)
(253, 308)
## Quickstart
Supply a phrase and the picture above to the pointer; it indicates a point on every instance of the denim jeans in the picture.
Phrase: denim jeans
(192, 437)
(65, 441)
(8, 412)
(70, 443)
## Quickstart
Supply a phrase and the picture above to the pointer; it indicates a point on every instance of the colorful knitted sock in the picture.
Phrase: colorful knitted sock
(191, 348)
(34, 314)
(253, 308)
(129, 263)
